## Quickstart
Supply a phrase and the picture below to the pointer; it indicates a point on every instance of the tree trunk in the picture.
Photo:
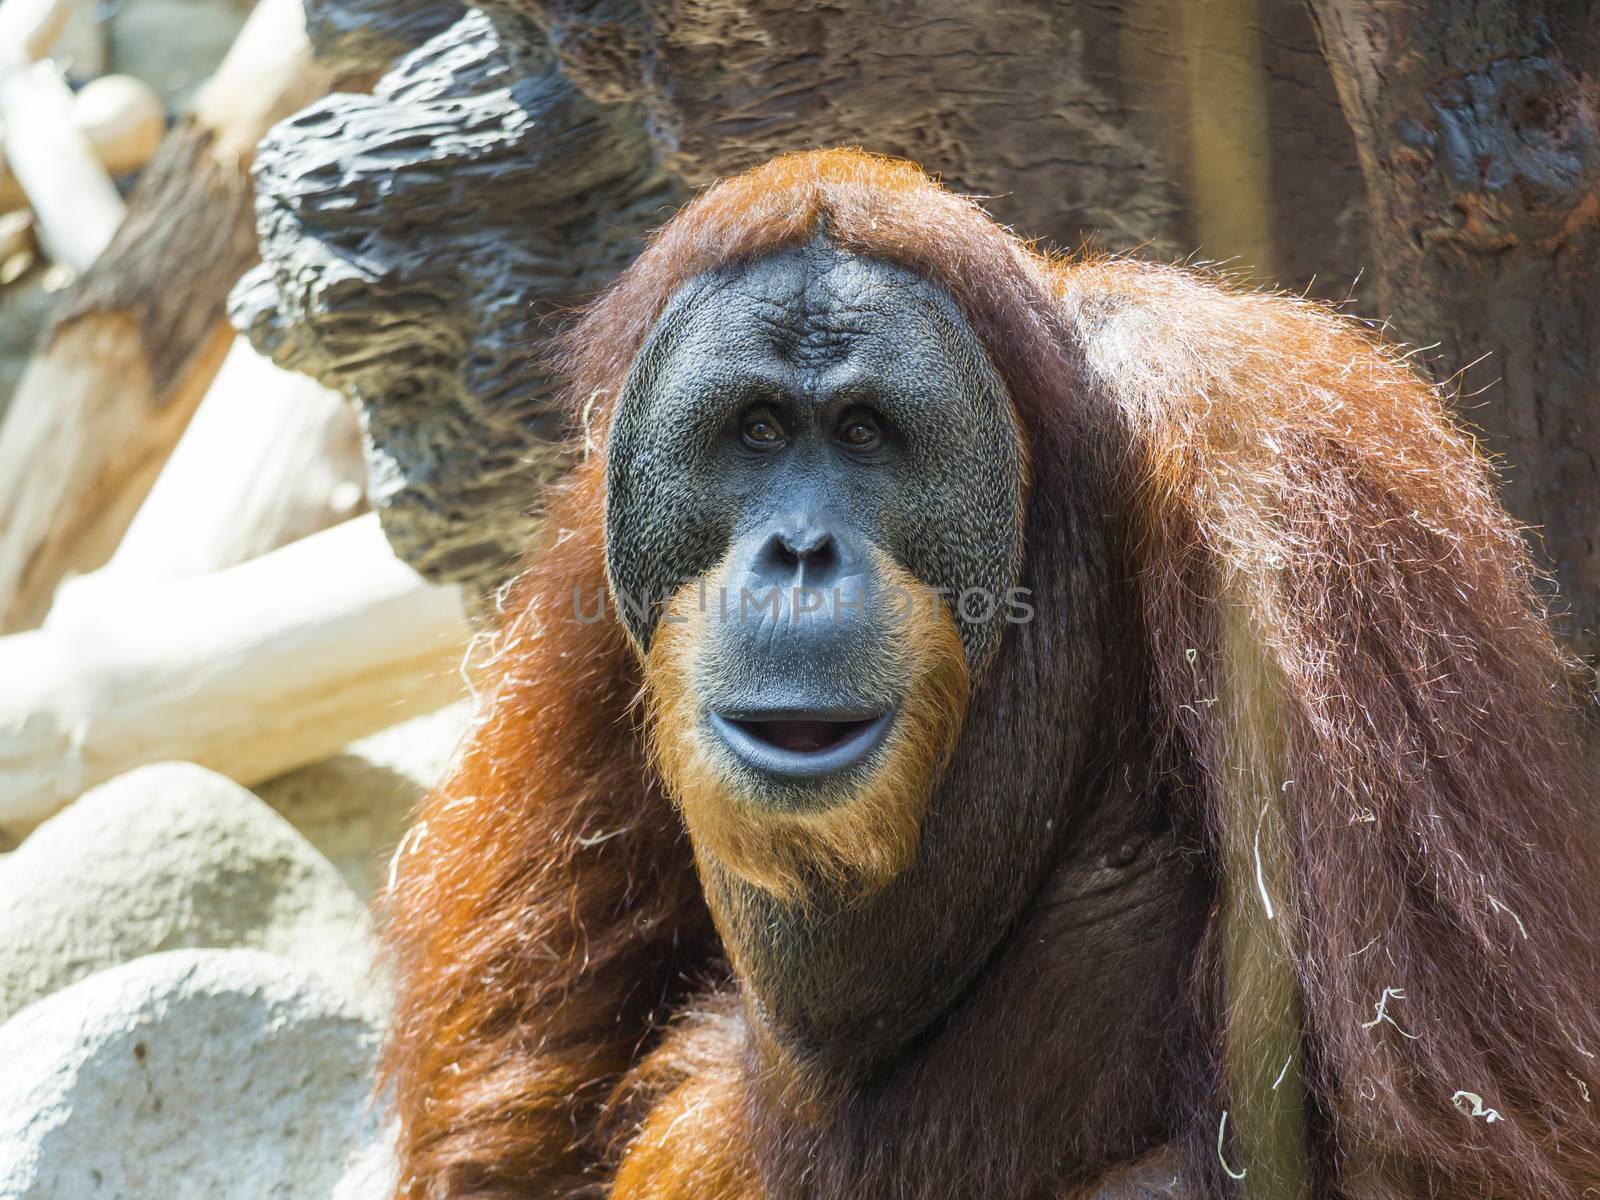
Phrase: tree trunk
(1477, 130)
(417, 242)
(75, 205)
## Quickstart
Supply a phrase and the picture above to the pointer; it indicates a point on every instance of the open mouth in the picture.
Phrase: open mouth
(803, 735)
(800, 745)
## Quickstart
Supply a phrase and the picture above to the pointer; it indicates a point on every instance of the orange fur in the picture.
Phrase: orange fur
(692, 1143)
(1298, 482)
(1290, 483)
(854, 842)
(541, 902)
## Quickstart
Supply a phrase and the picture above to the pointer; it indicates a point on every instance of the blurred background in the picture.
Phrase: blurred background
(169, 47)
(275, 286)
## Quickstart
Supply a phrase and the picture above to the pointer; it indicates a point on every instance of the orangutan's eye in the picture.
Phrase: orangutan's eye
(761, 430)
(860, 431)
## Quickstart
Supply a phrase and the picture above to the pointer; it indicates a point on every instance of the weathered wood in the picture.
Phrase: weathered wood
(28, 28)
(1480, 142)
(16, 234)
(412, 241)
(252, 671)
(122, 120)
(75, 205)
(80, 48)
(358, 36)
(269, 457)
(1100, 122)
(139, 338)
(81, 445)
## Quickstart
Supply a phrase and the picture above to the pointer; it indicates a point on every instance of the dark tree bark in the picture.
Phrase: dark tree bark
(1140, 125)
(415, 244)
(513, 162)
(356, 37)
(1476, 124)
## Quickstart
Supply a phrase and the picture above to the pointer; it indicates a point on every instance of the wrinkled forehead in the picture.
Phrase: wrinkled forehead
(814, 308)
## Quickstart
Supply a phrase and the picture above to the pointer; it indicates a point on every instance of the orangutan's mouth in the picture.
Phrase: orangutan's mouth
(799, 745)
(804, 735)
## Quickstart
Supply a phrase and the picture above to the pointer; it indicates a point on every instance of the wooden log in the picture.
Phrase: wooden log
(16, 235)
(270, 457)
(80, 447)
(76, 207)
(252, 671)
(80, 47)
(267, 74)
(361, 36)
(28, 28)
(142, 334)
(121, 118)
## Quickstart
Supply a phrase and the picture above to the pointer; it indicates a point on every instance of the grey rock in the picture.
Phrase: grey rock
(191, 1074)
(374, 1172)
(167, 857)
(356, 806)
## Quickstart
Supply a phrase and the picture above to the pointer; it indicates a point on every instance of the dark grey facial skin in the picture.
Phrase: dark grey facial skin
(811, 342)
(811, 334)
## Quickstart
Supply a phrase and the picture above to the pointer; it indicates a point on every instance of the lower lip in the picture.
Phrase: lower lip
(800, 764)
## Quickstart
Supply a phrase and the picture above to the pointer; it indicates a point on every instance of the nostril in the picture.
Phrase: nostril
(809, 547)
(780, 554)
(813, 556)
(805, 558)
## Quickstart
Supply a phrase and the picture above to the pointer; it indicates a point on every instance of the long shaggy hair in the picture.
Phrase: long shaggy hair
(1351, 680)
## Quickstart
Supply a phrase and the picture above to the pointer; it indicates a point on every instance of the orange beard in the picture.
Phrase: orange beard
(852, 839)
